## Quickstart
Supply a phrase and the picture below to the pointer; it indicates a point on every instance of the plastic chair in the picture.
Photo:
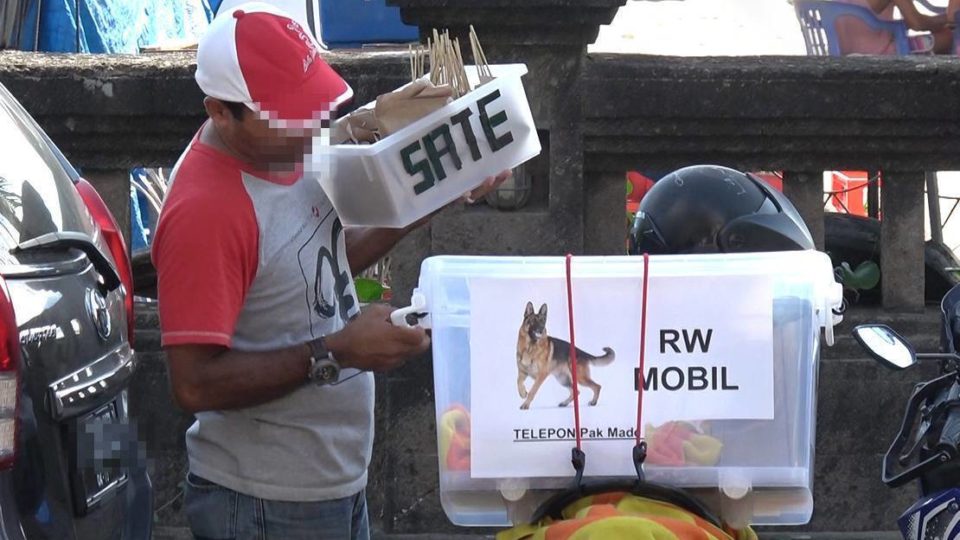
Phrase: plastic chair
(818, 22)
(956, 33)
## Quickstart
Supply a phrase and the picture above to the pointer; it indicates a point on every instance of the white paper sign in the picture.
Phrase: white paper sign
(709, 357)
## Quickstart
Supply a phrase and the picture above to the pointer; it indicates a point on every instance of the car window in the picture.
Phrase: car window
(36, 194)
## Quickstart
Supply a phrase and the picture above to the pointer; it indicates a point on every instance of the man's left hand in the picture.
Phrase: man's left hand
(488, 185)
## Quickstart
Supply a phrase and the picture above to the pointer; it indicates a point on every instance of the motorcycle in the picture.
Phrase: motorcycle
(927, 446)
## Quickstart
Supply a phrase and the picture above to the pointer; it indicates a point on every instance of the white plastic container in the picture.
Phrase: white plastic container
(437, 159)
(764, 474)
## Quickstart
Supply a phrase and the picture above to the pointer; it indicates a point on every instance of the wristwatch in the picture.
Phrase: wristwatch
(324, 368)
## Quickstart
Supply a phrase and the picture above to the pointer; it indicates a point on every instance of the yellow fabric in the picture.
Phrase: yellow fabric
(679, 444)
(454, 430)
(702, 450)
(621, 515)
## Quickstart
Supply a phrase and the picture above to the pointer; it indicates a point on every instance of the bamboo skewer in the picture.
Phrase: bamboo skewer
(446, 69)
(461, 70)
(446, 62)
(483, 66)
(413, 63)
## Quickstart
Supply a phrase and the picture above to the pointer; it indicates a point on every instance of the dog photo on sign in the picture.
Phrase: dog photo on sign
(539, 356)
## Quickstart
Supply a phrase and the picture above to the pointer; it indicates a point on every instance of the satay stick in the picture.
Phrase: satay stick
(479, 55)
(461, 70)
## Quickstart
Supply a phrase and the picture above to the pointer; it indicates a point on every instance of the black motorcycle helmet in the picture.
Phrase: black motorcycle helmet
(713, 209)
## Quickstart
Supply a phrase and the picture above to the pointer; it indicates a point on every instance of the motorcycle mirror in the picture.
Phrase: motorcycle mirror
(885, 345)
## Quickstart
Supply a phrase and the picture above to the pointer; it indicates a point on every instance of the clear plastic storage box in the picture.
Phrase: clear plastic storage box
(435, 160)
(732, 346)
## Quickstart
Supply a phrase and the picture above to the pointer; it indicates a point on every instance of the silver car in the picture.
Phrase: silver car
(71, 464)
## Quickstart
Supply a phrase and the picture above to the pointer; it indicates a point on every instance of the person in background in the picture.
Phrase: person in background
(952, 8)
(856, 37)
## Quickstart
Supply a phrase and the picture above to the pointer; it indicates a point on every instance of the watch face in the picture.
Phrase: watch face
(327, 373)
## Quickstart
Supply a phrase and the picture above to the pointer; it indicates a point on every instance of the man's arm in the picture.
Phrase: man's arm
(919, 21)
(367, 245)
(212, 377)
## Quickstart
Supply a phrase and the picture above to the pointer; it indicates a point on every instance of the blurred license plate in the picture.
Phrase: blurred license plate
(99, 467)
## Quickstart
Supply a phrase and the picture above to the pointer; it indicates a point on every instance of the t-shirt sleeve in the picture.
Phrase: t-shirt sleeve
(206, 254)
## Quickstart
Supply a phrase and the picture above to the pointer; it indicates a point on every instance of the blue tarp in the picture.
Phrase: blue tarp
(139, 221)
(115, 26)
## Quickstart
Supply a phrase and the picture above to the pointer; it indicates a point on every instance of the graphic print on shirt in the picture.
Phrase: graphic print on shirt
(327, 276)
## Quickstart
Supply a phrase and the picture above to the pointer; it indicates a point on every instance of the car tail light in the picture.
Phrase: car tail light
(9, 385)
(114, 240)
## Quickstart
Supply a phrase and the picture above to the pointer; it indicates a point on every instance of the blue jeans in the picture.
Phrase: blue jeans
(218, 513)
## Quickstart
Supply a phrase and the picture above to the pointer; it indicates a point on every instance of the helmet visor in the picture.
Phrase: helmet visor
(645, 237)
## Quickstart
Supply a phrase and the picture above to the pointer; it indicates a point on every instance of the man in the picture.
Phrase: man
(265, 339)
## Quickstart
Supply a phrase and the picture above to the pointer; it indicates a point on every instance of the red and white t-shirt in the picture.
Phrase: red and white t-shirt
(256, 261)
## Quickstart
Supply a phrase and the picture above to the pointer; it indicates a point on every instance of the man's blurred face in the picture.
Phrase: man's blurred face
(281, 149)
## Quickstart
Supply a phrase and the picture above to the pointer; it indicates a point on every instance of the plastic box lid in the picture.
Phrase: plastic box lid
(732, 346)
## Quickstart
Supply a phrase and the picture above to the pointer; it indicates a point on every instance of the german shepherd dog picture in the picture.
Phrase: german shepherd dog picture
(539, 356)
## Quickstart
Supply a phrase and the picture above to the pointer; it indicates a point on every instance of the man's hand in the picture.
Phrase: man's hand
(371, 342)
(488, 185)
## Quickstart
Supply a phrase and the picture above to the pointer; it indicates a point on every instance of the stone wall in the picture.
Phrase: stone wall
(598, 116)
(772, 113)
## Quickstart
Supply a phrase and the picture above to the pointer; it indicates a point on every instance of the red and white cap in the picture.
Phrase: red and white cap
(258, 55)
